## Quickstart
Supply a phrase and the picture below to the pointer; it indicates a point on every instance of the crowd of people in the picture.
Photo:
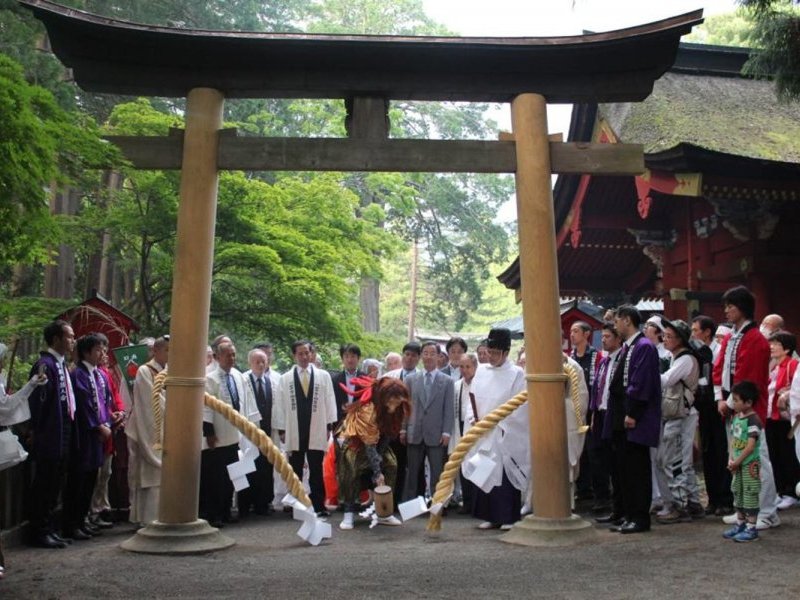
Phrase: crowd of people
(646, 396)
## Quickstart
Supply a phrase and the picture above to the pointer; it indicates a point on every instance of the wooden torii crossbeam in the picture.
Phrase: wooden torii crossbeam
(107, 55)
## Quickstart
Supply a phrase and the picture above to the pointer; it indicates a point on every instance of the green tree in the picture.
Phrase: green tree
(776, 34)
(42, 146)
(729, 29)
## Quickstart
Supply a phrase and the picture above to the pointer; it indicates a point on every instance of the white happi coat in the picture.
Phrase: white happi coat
(515, 447)
(323, 409)
(226, 433)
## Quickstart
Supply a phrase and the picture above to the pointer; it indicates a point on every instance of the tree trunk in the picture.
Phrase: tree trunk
(59, 278)
(412, 303)
(369, 298)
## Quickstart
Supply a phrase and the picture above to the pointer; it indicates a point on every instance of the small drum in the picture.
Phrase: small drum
(384, 501)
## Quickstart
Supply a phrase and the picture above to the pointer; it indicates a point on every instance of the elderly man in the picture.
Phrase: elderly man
(262, 383)
(464, 414)
(427, 432)
(220, 438)
(144, 461)
(392, 361)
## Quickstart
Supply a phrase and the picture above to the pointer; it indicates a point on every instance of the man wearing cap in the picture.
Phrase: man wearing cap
(493, 384)
(745, 356)
(427, 432)
(675, 465)
(633, 423)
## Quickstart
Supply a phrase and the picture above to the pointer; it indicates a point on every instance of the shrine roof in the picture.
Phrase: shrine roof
(731, 115)
(108, 55)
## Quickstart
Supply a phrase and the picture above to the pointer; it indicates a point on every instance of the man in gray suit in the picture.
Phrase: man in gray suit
(428, 430)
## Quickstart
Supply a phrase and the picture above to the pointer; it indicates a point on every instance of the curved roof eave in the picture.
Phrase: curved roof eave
(108, 55)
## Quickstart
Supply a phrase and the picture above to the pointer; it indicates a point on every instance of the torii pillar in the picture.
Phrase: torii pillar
(178, 530)
(552, 521)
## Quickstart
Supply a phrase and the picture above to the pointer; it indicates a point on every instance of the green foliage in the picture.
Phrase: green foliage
(777, 35)
(42, 146)
(729, 29)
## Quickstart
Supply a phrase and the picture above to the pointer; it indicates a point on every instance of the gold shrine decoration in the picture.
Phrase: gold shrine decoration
(249, 430)
(444, 488)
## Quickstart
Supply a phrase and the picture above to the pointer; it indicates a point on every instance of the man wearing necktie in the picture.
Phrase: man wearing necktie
(92, 429)
(633, 423)
(221, 439)
(427, 432)
(52, 424)
(306, 411)
(263, 383)
(350, 355)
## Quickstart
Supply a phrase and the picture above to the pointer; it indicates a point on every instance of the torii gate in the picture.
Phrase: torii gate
(107, 55)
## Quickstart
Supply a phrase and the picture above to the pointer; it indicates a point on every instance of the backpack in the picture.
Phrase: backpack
(705, 361)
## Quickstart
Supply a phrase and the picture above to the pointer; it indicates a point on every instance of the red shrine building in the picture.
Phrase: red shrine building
(716, 207)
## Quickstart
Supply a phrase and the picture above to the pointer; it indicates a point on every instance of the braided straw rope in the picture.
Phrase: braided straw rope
(251, 431)
(447, 479)
(158, 414)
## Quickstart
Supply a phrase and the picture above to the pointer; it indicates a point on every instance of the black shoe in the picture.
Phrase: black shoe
(601, 508)
(60, 538)
(724, 511)
(91, 529)
(323, 513)
(48, 541)
(79, 534)
(618, 528)
(711, 509)
(217, 523)
(633, 527)
(612, 519)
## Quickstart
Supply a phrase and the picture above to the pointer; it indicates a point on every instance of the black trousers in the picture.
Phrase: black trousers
(600, 458)
(77, 497)
(315, 481)
(48, 480)
(216, 489)
(783, 457)
(259, 496)
(714, 449)
(633, 486)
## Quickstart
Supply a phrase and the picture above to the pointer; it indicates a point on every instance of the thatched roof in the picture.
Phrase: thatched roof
(733, 115)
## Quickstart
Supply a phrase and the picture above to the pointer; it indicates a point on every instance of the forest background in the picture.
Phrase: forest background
(334, 257)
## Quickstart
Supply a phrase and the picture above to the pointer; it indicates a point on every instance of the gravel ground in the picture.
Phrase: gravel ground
(269, 560)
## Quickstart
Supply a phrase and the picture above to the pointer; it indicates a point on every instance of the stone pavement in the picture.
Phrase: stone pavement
(688, 560)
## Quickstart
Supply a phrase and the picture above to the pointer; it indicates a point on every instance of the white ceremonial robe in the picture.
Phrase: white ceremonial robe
(493, 386)
(515, 442)
(144, 461)
(323, 410)
(226, 433)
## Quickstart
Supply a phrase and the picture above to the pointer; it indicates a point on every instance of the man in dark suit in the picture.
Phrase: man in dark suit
(456, 348)
(351, 356)
(52, 426)
(428, 430)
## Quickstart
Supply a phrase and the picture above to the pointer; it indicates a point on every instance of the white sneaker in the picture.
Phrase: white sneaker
(390, 520)
(487, 525)
(730, 519)
(769, 522)
(506, 526)
(347, 521)
(787, 502)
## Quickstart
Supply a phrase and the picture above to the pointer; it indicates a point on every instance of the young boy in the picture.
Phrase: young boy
(744, 463)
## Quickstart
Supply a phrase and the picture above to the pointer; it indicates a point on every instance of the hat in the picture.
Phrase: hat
(656, 321)
(499, 339)
(681, 328)
(723, 330)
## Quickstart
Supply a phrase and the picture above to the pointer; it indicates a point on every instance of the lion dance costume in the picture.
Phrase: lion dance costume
(372, 421)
